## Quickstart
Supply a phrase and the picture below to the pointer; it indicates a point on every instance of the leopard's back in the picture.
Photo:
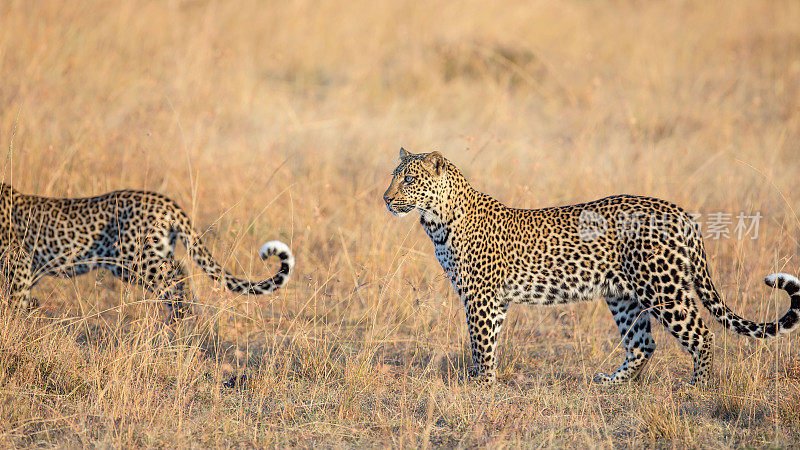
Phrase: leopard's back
(578, 252)
(75, 235)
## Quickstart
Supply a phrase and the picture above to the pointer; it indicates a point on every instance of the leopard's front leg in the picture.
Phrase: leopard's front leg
(485, 316)
(18, 271)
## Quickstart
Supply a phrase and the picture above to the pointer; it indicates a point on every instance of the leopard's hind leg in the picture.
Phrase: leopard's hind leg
(20, 278)
(688, 328)
(154, 267)
(666, 290)
(171, 287)
(634, 327)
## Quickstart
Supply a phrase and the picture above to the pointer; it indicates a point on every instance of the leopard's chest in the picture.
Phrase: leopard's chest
(447, 259)
(441, 236)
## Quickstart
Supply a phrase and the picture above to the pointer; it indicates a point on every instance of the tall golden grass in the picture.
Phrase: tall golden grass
(282, 120)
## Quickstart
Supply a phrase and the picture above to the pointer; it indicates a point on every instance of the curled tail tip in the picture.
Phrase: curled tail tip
(791, 285)
(782, 281)
(277, 248)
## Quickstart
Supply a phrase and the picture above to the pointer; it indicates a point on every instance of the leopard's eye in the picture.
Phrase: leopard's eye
(409, 179)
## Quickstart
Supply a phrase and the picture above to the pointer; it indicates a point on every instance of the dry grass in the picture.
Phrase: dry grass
(282, 120)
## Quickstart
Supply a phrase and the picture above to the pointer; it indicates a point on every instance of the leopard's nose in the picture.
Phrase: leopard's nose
(386, 199)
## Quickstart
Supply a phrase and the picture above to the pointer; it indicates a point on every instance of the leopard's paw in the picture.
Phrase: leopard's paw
(603, 379)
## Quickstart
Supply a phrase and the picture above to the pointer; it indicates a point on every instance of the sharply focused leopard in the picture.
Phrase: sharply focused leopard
(643, 255)
(130, 233)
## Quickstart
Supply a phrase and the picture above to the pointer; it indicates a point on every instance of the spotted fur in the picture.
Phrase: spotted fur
(130, 233)
(643, 255)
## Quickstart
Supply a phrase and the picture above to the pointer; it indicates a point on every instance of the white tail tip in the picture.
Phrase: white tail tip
(778, 280)
(277, 248)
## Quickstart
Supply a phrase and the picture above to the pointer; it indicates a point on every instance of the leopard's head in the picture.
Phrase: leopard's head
(419, 181)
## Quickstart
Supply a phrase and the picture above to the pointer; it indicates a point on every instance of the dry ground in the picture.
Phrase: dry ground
(282, 120)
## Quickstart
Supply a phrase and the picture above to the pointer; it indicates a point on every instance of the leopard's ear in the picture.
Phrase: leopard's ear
(404, 153)
(435, 162)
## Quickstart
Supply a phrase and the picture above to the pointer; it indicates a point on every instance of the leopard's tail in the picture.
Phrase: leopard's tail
(200, 254)
(786, 324)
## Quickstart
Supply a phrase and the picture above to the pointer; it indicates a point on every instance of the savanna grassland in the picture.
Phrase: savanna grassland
(282, 120)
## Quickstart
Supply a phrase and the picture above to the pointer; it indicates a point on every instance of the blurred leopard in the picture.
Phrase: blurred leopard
(132, 234)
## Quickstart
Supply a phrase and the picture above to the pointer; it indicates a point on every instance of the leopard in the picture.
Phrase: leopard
(130, 233)
(645, 256)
